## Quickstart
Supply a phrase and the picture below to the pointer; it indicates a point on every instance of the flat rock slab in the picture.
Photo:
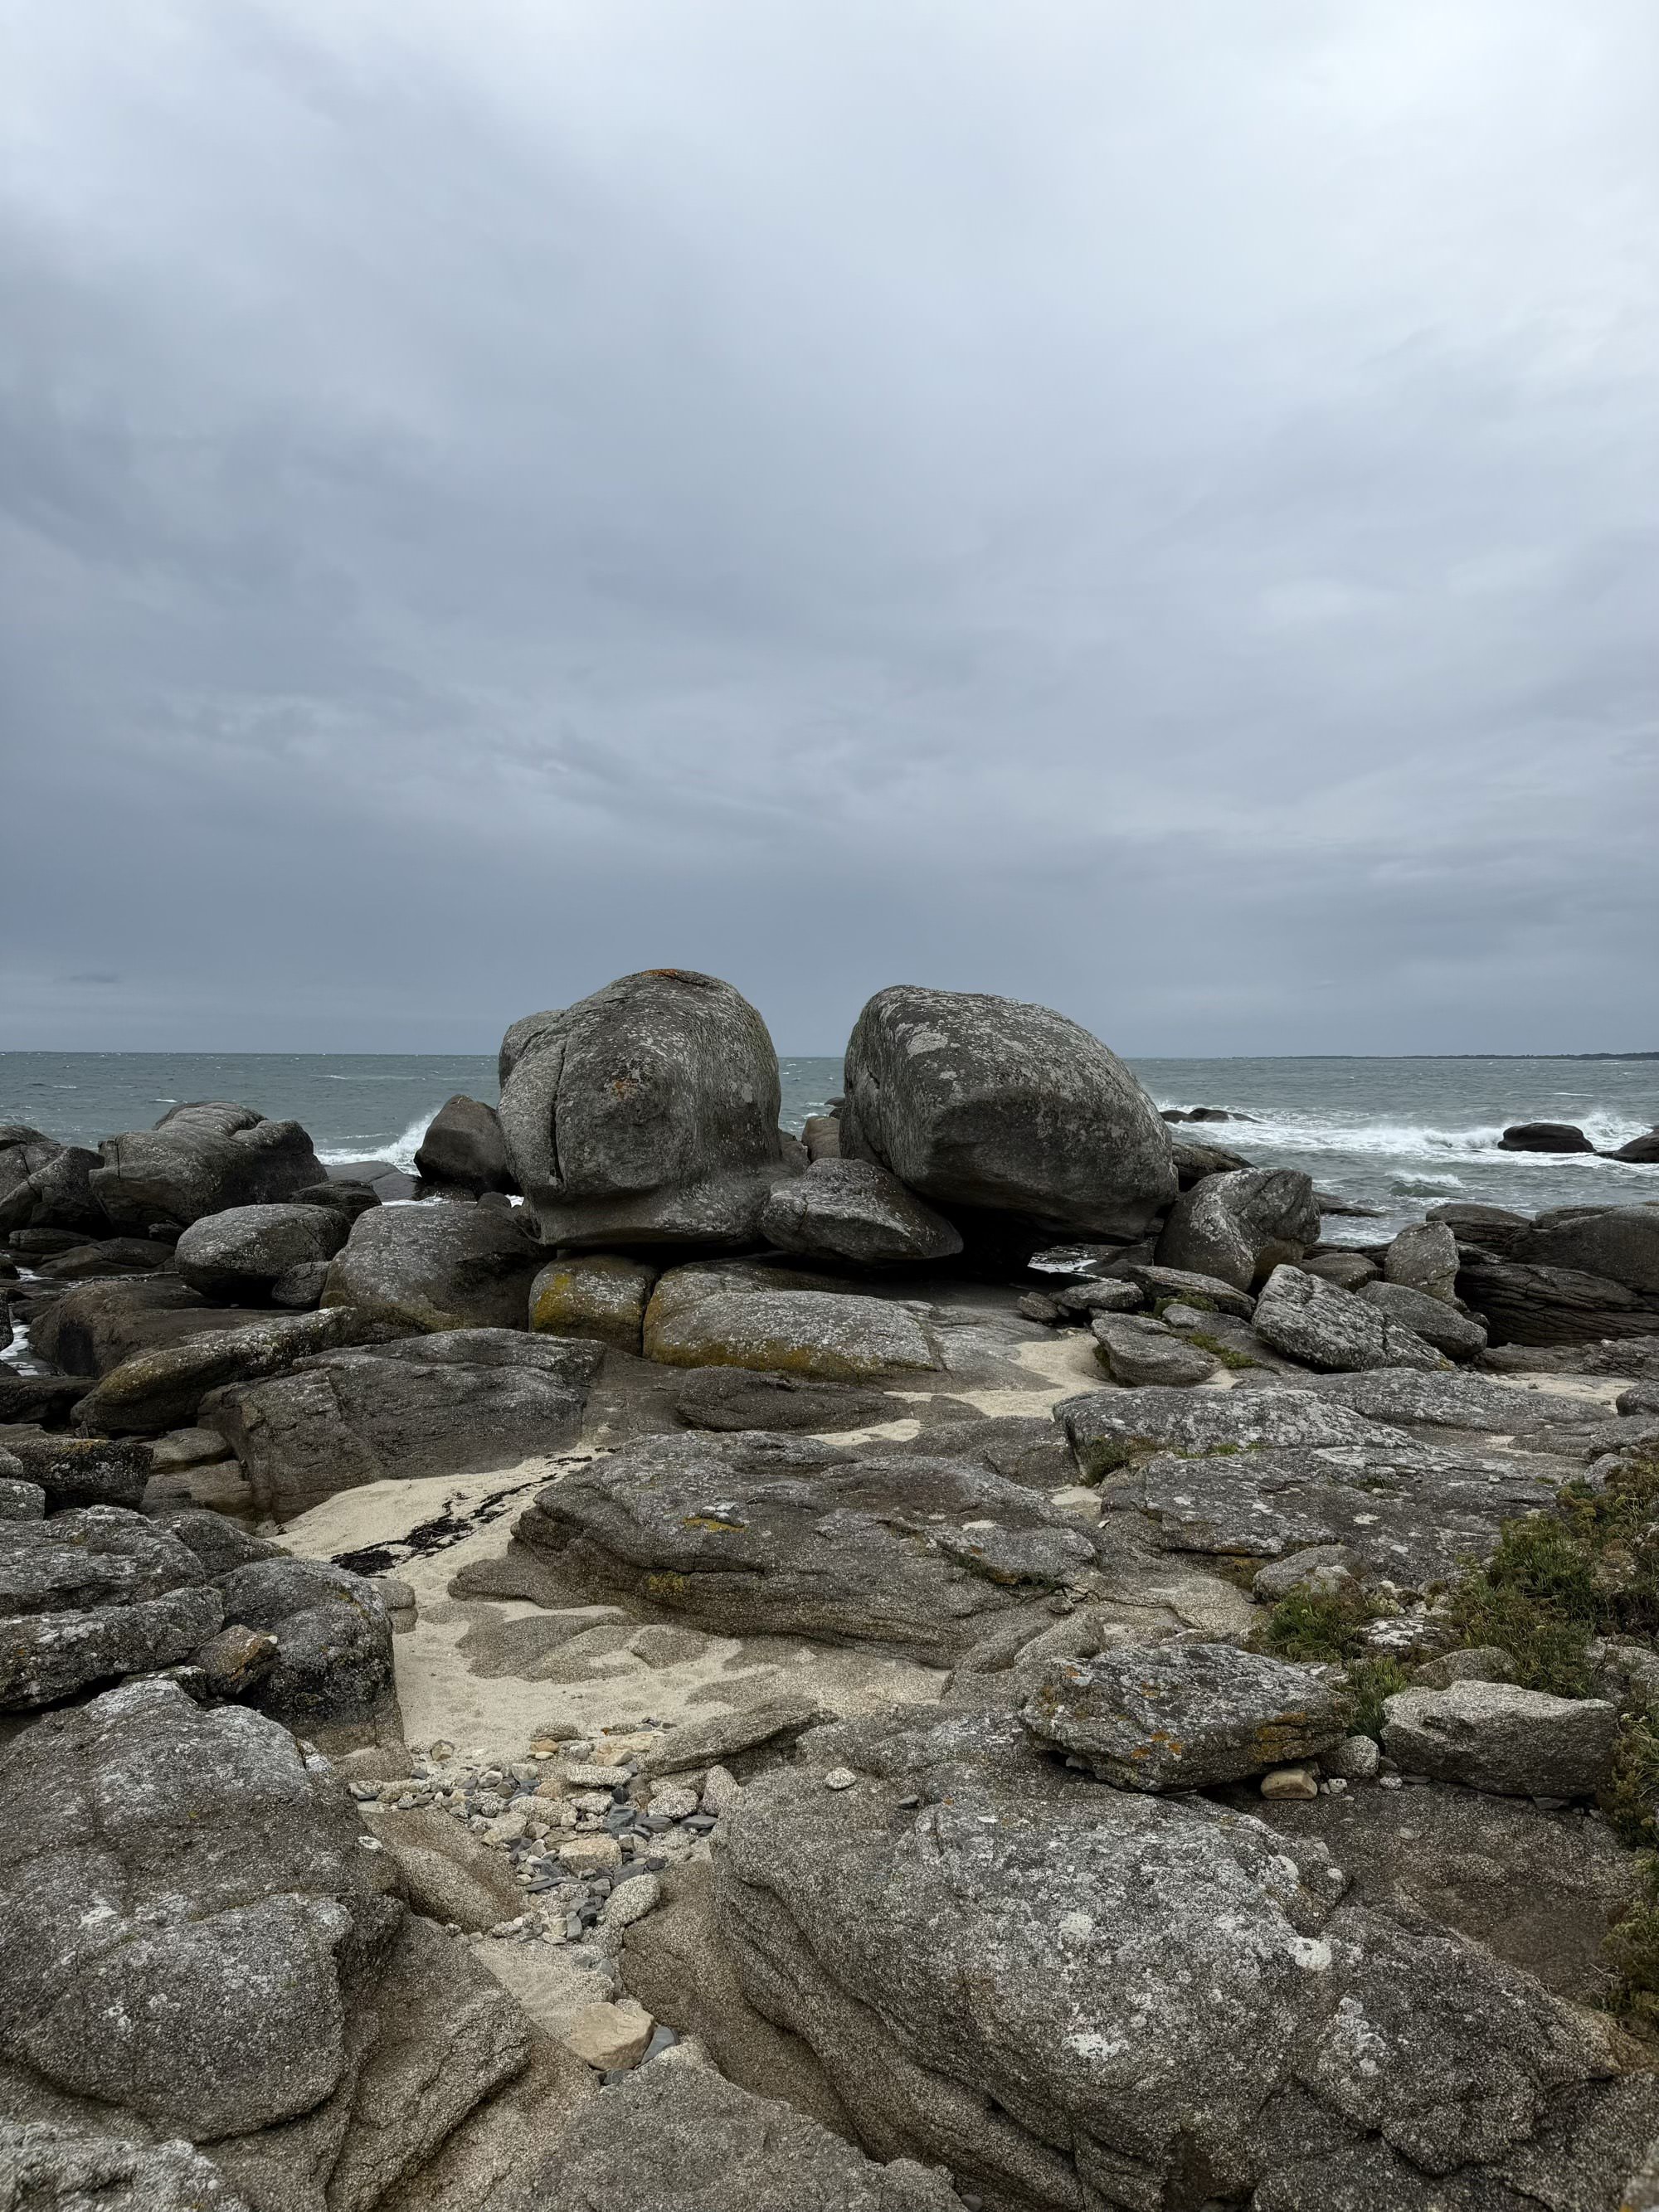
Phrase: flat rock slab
(771, 1535)
(1496, 1736)
(681, 2135)
(1110, 1429)
(736, 1398)
(1451, 1401)
(1411, 1513)
(1182, 1715)
(1060, 1987)
(1323, 1327)
(855, 1211)
(154, 1391)
(1135, 1349)
(837, 1334)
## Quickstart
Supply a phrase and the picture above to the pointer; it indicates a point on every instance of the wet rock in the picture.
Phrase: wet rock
(1640, 1151)
(154, 1391)
(592, 1294)
(758, 1536)
(1437, 1320)
(346, 1199)
(1239, 1227)
(981, 1102)
(1325, 1327)
(706, 1316)
(48, 1399)
(464, 1147)
(437, 1266)
(863, 1922)
(460, 1401)
(732, 1398)
(681, 2135)
(1424, 1257)
(202, 1159)
(646, 1115)
(235, 1257)
(1135, 1349)
(1493, 1735)
(1195, 1158)
(854, 1210)
(1544, 1136)
(1107, 1430)
(1182, 1715)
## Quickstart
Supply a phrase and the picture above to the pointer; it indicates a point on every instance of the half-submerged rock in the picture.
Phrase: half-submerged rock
(646, 1115)
(990, 1104)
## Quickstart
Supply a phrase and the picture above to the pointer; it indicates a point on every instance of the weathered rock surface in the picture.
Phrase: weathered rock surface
(732, 1398)
(1107, 1429)
(1326, 1328)
(594, 1294)
(774, 1535)
(235, 1257)
(1348, 1271)
(1239, 1227)
(1619, 1244)
(854, 1210)
(646, 1115)
(464, 1148)
(973, 1101)
(1135, 1349)
(46, 1185)
(1407, 1511)
(154, 1391)
(1182, 1715)
(333, 1666)
(83, 1470)
(1424, 1257)
(1434, 1318)
(96, 1326)
(985, 1979)
(460, 1401)
(715, 1316)
(437, 1266)
(681, 2135)
(1494, 1735)
(445, 1873)
(1544, 1136)
(109, 1255)
(1452, 1401)
(44, 2168)
(1522, 1303)
(187, 1874)
(202, 1159)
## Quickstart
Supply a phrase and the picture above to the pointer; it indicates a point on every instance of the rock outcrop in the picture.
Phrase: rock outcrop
(440, 1265)
(1323, 1327)
(202, 1159)
(992, 1104)
(647, 1114)
(1239, 1227)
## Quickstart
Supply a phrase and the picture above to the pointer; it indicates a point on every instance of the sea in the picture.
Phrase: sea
(1397, 1135)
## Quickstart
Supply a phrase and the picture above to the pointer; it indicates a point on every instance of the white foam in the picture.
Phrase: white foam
(1605, 1128)
(400, 1151)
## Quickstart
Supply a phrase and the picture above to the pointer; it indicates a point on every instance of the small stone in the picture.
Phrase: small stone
(720, 1786)
(590, 1854)
(1391, 1782)
(1289, 1783)
(671, 1801)
(610, 2037)
(632, 1900)
(1356, 1758)
(840, 1778)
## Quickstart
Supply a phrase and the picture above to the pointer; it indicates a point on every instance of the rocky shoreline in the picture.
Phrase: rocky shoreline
(970, 1658)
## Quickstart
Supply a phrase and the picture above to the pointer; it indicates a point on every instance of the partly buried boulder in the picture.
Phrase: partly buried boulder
(646, 1115)
(1240, 1227)
(1424, 1258)
(1077, 1995)
(731, 1398)
(333, 1666)
(775, 1535)
(192, 1875)
(235, 1257)
(1640, 1151)
(202, 1159)
(46, 1185)
(1107, 1429)
(854, 1210)
(156, 1390)
(990, 1104)
(1182, 1715)
(91, 1594)
(1135, 1349)
(681, 2135)
(440, 1265)
(464, 1147)
(1326, 1328)
(600, 1295)
(1496, 1736)
(459, 1402)
(732, 1315)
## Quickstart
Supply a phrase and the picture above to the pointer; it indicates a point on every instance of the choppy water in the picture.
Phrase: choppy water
(1400, 1134)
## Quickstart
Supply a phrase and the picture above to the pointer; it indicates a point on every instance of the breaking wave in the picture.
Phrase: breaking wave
(400, 1151)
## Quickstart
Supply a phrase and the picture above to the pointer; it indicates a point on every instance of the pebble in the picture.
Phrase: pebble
(1291, 1782)
(840, 1778)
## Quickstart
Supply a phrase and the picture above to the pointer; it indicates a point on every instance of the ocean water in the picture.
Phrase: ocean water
(1397, 1134)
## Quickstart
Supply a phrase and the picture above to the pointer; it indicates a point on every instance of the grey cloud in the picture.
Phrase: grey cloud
(1145, 510)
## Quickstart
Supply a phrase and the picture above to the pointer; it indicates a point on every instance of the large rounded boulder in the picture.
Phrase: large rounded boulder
(203, 1159)
(438, 1265)
(463, 1148)
(1240, 1227)
(235, 1257)
(989, 1103)
(646, 1115)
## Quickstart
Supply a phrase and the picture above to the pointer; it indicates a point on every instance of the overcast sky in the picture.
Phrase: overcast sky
(1148, 507)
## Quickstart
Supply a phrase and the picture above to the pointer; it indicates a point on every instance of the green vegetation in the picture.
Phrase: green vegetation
(1329, 1626)
(1217, 1350)
(1631, 1799)
(1193, 1299)
(1631, 1951)
(1371, 1681)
